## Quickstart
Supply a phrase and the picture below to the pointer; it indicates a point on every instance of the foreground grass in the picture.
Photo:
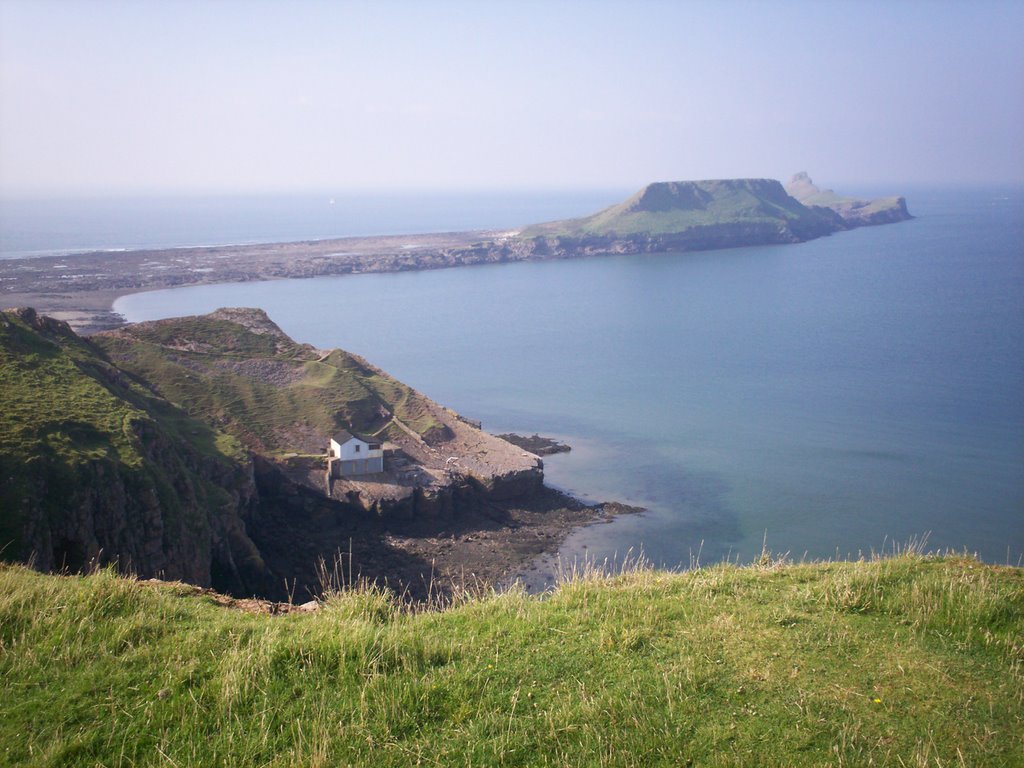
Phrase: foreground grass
(906, 661)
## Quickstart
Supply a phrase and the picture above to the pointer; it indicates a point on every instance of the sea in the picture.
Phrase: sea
(854, 395)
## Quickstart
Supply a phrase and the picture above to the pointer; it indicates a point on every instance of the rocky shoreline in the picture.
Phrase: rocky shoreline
(81, 288)
(476, 542)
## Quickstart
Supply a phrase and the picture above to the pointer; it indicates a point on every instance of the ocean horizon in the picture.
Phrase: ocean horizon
(39, 226)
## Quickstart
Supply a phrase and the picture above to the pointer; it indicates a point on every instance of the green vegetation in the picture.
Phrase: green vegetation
(73, 426)
(36, 374)
(63, 396)
(906, 661)
(674, 207)
(218, 335)
(242, 374)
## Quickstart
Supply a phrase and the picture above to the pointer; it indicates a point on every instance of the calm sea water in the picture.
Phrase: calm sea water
(834, 396)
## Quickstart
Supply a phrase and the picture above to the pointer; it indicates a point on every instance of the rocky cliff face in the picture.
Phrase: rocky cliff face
(866, 213)
(697, 238)
(687, 216)
(706, 215)
(177, 516)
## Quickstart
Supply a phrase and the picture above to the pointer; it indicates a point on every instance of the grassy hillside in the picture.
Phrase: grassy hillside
(908, 661)
(92, 461)
(237, 370)
(58, 386)
(673, 207)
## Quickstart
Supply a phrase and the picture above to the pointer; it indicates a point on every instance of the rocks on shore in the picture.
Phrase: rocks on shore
(535, 444)
(616, 508)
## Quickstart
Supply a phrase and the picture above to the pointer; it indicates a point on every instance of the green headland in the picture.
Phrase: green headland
(673, 207)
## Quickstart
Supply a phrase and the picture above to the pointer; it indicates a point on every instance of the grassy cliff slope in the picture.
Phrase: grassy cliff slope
(236, 369)
(95, 467)
(193, 449)
(906, 661)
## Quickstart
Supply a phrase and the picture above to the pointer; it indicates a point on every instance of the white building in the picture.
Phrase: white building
(351, 455)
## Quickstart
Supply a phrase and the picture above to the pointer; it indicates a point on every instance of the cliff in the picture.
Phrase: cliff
(194, 449)
(854, 212)
(708, 215)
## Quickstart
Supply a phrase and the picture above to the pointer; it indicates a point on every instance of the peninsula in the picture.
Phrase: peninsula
(676, 216)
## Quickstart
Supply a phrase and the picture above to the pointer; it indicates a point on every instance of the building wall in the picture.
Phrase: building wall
(349, 461)
(365, 466)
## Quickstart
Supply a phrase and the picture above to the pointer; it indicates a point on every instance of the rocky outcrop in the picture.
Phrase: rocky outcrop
(713, 211)
(851, 211)
(536, 444)
(703, 216)
(709, 237)
(240, 373)
(866, 213)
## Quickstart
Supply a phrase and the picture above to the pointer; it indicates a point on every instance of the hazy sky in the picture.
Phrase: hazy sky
(113, 97)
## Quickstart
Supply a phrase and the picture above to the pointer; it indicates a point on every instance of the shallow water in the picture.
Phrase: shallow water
(834, 396)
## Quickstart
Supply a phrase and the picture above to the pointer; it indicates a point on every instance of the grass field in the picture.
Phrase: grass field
(905, 661)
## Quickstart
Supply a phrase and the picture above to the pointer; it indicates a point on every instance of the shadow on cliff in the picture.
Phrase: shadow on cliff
(298, 530)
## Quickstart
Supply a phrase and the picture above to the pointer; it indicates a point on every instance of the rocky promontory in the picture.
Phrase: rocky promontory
(95, 469)
(854, 212)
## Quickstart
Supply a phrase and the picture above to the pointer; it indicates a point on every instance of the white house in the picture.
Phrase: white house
(353, 455)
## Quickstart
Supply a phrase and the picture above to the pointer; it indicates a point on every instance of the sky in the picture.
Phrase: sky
(109, 97)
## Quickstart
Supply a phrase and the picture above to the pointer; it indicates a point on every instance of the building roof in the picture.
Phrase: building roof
(343, 436)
